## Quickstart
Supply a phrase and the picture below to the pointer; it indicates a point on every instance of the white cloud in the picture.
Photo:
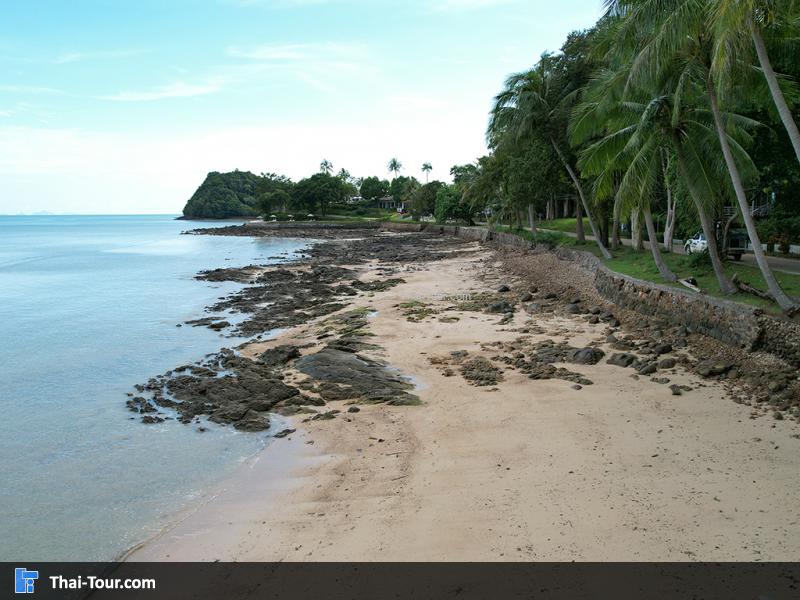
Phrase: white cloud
(65, 170)
(178, 89)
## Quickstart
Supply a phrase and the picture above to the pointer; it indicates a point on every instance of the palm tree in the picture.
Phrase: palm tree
(536, 102)
(395, 166)
(746, 20)
(678, 28)
(427, 168)
(326, 167)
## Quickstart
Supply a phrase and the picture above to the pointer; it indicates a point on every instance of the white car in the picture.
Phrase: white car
(696, 244)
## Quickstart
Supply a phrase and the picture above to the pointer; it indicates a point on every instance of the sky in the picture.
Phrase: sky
(123, 106)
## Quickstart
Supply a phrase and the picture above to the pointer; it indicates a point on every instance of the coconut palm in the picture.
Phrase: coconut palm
(427, 168)
(395, 166)
(638, 129)
(737, 25)
(326, 167)
(679, 29)
(537, 103)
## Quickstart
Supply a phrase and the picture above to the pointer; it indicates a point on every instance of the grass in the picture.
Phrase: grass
(641, 266)
(565, 225)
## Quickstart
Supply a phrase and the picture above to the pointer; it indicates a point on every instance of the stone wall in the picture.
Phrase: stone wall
(730, 322)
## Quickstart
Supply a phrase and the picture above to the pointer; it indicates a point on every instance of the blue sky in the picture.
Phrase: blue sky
(113, 106)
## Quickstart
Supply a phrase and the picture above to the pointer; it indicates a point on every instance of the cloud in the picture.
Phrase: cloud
(71, 57)
(178, 89)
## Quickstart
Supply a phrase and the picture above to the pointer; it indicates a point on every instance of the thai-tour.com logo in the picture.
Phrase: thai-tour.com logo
(25, 582)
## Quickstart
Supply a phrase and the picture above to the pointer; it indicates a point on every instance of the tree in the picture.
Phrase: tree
(326, 167)
(678, 30)
(427, 168)
(395, 166)
(737, 24)
(423, 200)
(317, 192)
(270, 201)
(373, 187)
(537, 103)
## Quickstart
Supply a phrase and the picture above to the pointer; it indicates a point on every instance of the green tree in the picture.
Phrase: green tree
(423, 200)
(537, 103)
(395, 166)
(427, 168)
(270, 201)
(373, 188)
(326, 167)
(317, 193)
(679, 31)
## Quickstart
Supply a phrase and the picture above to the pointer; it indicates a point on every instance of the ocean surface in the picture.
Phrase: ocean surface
(88, 308)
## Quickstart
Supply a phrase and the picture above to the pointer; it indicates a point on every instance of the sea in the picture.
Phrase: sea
(89, 307)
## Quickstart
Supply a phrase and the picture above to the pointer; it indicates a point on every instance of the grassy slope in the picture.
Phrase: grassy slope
(641, 266)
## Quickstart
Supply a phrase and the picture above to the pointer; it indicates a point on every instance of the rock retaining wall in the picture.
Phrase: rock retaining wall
(730, 322)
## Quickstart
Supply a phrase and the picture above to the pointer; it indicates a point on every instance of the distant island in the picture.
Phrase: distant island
(224, 195)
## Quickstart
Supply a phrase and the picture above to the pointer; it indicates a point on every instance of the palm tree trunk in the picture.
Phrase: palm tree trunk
(615, 241)
(595, 232)
(531, 220)
(580, 235)
(636, 231)
(725, 284)
(775, 289)
(663, 269)
(775, 89)
(669, 226)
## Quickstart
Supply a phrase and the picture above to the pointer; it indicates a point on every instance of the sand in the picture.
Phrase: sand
(621, 470)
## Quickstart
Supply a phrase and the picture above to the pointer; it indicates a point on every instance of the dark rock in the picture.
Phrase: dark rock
(284, 432)
(662, 349)
(623, 359)
(572, 309)
(503, 288)
(526, 297)
(711, 368)
(499, 307)
(676, 390)
(667, 363)
(353, 409)
(648, 369)
(279, 356)
(586, 356)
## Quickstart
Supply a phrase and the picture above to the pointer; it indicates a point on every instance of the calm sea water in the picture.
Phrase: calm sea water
(88, 308)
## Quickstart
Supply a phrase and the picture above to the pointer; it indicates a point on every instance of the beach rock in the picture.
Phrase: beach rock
(676, 390)
(622, 359)
(499, 307)
(503, 288)
(480, 371)
(279, 356)
(353, 409)
(361, 377)
(586, 356)
(572, 309)
(667, 363)
(711, 368)
(648, 369)
(662, 349)
(527, 297)
(284, 432)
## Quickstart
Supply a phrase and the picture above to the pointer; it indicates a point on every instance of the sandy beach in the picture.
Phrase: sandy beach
(519, 469)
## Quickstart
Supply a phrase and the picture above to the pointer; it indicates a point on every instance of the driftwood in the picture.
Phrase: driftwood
(690, 283)
(749, 289)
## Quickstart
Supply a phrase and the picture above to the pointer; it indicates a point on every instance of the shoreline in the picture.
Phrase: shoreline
(500, 467)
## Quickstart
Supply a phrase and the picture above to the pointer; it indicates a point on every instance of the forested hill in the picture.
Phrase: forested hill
(224, 195)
